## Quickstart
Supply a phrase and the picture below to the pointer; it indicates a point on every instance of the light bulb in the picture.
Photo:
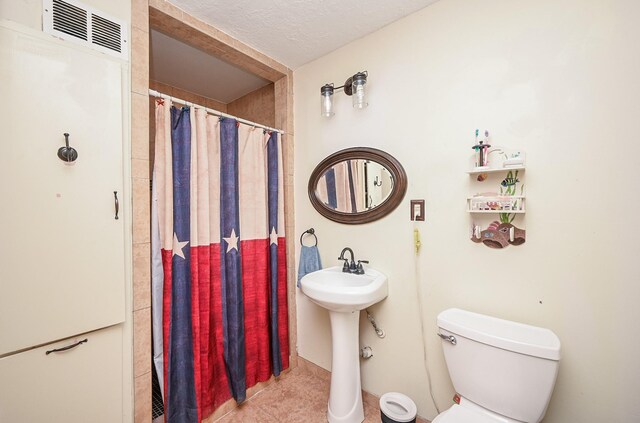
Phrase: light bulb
(326, 101)
(359, 94)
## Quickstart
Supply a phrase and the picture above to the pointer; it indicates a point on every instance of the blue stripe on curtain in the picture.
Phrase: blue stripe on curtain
(352, 189)
(272, 183)
(231, 271)
(332, 197)
(182, 403)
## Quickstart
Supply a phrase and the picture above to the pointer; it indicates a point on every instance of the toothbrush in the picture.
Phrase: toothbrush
(477, 149)
(486, 141)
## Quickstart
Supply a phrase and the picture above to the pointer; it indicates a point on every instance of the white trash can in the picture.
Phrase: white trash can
(397, 408)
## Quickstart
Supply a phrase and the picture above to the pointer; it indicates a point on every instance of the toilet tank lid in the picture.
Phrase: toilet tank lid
(505, 334)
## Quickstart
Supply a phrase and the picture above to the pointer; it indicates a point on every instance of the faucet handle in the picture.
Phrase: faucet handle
(360, 269)
(345, 266)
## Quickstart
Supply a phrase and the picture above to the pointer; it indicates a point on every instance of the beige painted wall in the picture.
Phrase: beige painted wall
(559, 79)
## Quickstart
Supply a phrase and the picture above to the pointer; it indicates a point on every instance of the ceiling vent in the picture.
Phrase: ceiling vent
(74, 21)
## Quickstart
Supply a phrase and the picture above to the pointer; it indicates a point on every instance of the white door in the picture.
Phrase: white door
(61, 248)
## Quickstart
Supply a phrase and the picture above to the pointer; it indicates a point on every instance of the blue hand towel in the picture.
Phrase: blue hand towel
(309, 261)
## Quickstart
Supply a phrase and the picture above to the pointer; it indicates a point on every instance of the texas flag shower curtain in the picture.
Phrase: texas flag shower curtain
(218, 194)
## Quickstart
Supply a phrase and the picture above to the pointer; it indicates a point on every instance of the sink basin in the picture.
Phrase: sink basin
(344, 295)
(344, 292)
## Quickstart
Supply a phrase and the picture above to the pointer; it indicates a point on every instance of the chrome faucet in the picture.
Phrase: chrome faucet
(350, 266)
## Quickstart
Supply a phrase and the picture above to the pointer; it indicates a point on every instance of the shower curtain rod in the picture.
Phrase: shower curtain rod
(158, 94)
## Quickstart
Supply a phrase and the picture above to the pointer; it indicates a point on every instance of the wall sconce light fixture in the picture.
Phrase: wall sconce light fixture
(354, 87)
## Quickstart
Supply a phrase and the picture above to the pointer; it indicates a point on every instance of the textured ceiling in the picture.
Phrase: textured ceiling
(180, 65)
(295, 32)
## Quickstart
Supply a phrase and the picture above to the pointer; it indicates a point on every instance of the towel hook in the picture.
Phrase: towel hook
(309, 231)
(66, 153)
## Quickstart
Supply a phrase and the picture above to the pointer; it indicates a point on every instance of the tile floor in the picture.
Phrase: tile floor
(300, 396)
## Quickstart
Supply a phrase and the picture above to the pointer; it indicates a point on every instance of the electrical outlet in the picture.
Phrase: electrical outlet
(417, 210)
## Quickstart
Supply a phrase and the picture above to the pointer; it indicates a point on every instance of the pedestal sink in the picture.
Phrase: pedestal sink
(344, 295)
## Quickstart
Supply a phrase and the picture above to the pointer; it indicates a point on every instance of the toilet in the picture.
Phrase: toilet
(503, 371)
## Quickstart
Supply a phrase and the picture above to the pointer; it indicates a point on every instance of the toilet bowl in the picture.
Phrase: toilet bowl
(397, 408)
(503, 371)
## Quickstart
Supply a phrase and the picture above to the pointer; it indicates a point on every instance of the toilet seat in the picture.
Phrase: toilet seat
(458, 414)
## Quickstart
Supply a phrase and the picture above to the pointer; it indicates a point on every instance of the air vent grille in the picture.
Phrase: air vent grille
(106, 33)
(72, 20)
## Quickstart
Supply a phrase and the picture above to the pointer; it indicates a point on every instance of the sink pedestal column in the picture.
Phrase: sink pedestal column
(345, 396)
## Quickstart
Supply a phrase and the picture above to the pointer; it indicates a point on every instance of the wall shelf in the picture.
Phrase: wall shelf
(495, 170)
(496, 209)
(496, 204)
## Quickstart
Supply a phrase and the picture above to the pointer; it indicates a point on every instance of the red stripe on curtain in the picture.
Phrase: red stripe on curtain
(219, 380)
(255, 293)
(166, 315)
(211, 377)
(199, 289)
(200, 272)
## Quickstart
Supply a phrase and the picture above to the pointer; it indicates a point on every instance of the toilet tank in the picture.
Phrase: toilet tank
(506, 367)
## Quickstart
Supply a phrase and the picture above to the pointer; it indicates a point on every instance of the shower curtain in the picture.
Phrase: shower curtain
(342, 187)
(218, 186)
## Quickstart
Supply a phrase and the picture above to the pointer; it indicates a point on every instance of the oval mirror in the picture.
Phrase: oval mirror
(357, 185)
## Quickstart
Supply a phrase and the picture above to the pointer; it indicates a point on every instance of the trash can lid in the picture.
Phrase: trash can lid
(398, 407)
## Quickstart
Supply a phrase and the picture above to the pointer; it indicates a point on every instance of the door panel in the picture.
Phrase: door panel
(62, 250)
(80, 385)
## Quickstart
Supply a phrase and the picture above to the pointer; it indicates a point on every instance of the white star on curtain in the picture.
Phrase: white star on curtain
(274, 236)
(232, 241)
(178, 246)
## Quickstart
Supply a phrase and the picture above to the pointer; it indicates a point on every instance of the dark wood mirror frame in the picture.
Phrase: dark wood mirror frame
(363, 153)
